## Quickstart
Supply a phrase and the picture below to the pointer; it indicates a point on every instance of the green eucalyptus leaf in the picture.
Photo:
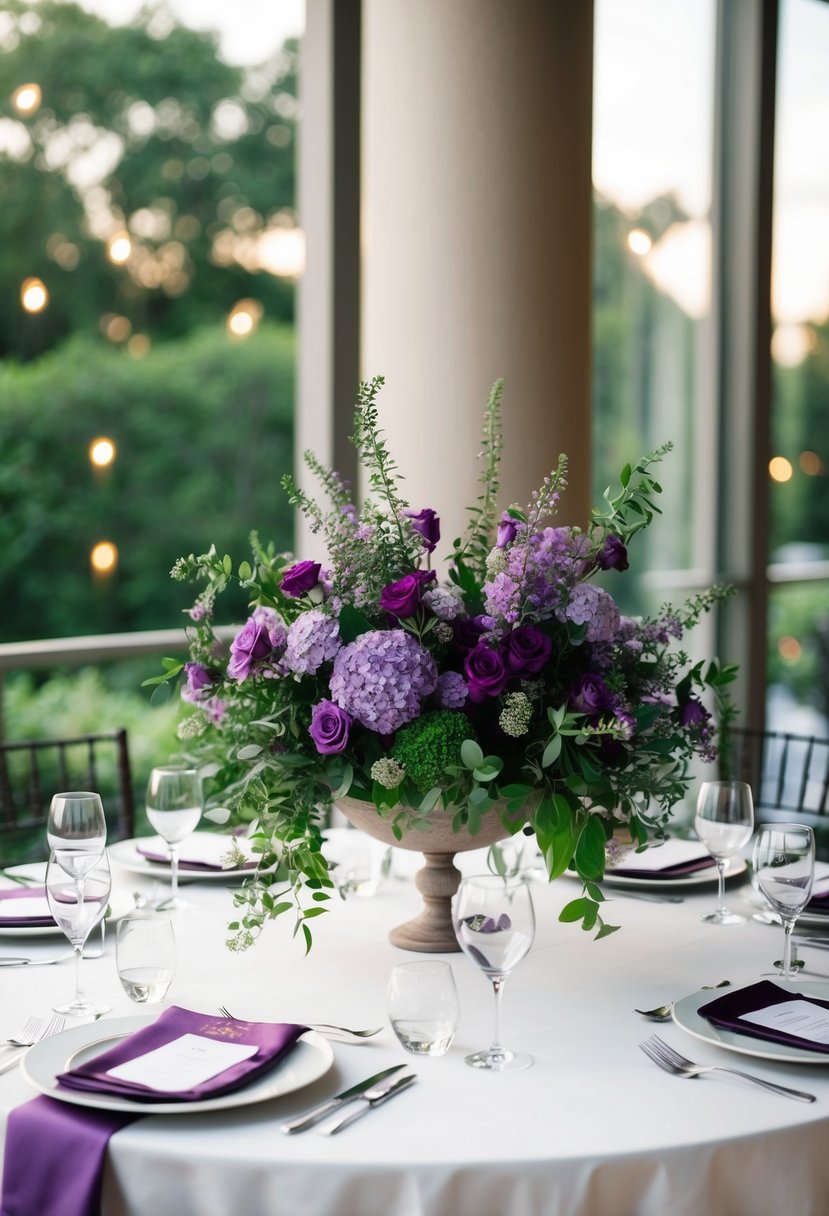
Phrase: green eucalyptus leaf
(471, 754)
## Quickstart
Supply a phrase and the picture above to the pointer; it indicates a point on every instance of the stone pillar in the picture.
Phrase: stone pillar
(476, 234)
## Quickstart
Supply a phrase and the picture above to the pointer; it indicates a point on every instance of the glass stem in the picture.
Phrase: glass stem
(788, 928)
(174, 874)
(80, 995)
(497, 987)
(721, 864)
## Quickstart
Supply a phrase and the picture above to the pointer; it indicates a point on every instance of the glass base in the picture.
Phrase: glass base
(82, 1009)
(499, 1061)
(723, 916)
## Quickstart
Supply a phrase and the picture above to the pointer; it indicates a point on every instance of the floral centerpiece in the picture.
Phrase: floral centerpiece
(516, 683)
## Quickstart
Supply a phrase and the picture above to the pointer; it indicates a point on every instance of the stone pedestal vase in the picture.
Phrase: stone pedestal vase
(431, 930)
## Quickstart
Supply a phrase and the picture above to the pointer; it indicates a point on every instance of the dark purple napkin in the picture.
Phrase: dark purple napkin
(818, 903)
(274, 1041)
(675, 871)
(54, 1158)
(24, 922)
(727, 1012)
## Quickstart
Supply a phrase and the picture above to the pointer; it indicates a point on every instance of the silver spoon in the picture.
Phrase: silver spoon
(662, 1013)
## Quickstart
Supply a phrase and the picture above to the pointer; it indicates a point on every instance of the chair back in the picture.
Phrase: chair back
(32, 770)
(788, 775)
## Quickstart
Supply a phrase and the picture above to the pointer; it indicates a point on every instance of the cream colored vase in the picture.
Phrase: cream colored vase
(431, 930)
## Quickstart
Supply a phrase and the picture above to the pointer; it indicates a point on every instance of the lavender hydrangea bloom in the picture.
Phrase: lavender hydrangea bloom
(313, 639)
(445, 602)
(381, 679)
(451, 690)
(593, 607)
(539, 571)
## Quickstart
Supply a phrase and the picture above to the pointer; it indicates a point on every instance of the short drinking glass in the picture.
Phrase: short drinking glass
(174, 807)
(784, 870)
(724, 822)
(423, 1006)
(145, 955)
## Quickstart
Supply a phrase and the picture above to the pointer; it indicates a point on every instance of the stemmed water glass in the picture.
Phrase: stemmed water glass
(784, 870)
(174, 808)
(494, 923)
(77, 827)
(78, 902)
(724, 822)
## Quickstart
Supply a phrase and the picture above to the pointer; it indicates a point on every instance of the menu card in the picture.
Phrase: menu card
(673, 859)
(187, 1057)
(766, 1011)
(201, 851)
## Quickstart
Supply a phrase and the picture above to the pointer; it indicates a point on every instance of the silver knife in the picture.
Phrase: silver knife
(348, 1095)
(370, 1099)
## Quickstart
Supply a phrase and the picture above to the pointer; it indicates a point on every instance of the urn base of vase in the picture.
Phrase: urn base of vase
(424, 935)
(431, 931)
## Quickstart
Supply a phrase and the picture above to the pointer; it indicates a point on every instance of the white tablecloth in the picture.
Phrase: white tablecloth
(593, 1129)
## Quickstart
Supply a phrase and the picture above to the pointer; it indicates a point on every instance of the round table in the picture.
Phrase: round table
(592, 1129)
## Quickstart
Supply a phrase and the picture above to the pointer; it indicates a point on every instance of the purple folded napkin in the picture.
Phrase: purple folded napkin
(677, 870)
(272, 1040)
(818, 903)
(729, 1012)
(8, 920)
(54, 1158)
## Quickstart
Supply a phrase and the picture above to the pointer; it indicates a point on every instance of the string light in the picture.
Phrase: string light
(27, 98)
(119, 248)
(104, 557)
(33, 295)
(102, 452)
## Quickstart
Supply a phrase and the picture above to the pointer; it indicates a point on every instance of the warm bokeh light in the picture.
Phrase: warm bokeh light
(790, 344)
(281, 251)
(119, 248)
(102, 452)
(33, 295)
(810, 463)
(26, 99)
(138, 346)
(780, 469)
(244, 317)
(639, 242)
(104, 557)
(789, 649)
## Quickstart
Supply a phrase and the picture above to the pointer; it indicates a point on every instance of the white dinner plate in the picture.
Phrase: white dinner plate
(700, 878)
(119, 902)
(125, 852)
(686, 1016)
(806, 920)
(307, 1062)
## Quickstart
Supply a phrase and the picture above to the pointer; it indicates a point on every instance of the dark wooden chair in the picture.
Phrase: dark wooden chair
(32, 770)
(788, 775)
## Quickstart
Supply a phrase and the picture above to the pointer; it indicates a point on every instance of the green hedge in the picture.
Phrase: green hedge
(203, 429)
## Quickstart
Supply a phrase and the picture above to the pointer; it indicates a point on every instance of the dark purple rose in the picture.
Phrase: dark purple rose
(692, 713)
(468, 630)
(613, 555)
(251, 643)
(404, 597)
(486, 674)
(329, 728)
(427, 524)
(507, 531)
(527, 651)
(301, 578)
(199, 683)
(590, 695)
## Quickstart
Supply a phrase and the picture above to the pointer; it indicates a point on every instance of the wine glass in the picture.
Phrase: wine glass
(494, 923)
(78, 902)
(77, 826)
(784, 870)
(174, 807)
(724, 822)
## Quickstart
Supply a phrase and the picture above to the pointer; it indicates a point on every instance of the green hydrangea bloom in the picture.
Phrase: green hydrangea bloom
(426, 746)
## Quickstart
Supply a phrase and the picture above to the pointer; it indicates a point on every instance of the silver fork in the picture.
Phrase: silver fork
(671, 1061)
(54, 1026)
(27, 1035)
(324, 1028)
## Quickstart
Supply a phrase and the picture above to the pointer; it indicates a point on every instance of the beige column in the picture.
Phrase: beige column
(476, 230)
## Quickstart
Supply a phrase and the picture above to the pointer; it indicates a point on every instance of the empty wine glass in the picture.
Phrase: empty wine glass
(77, 826)
(724, 822)
(174, 808)
(494, 923)
(78, 902)
(784, 870)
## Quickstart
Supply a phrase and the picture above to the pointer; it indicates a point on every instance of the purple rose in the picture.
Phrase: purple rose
(527, 651)
(251, 644)
(507, 531)
(199, 683)
(329, 728)
(427, 524)
(301, 578)
(486, 674)
(403, 598)
(613, 555)
(590, 695)
(693, 714)
(468, 630)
